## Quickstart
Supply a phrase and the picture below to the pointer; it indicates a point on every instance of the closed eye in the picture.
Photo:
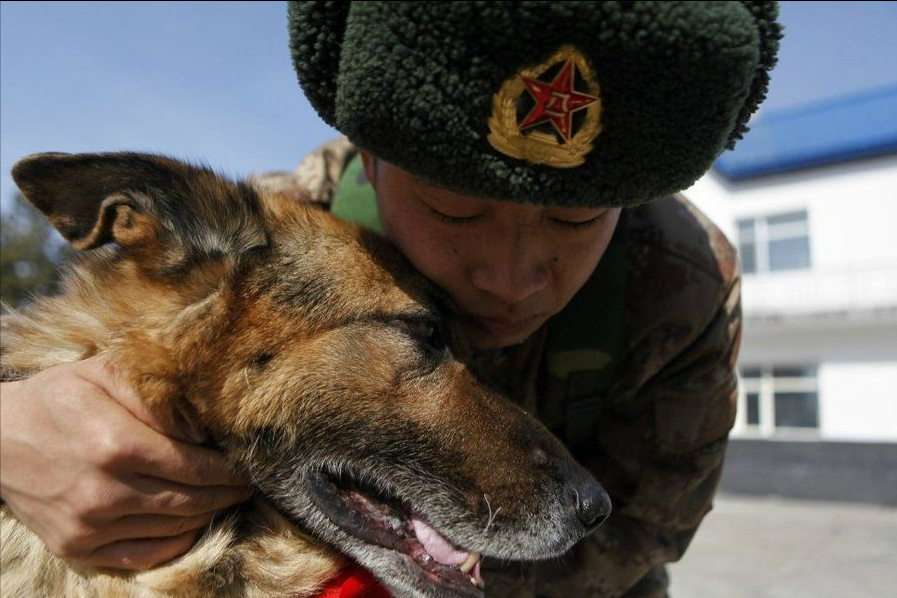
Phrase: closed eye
(427, 333)
(576, 225)
(453, 219)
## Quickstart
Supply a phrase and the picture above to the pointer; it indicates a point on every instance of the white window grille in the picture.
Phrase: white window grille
(778, 399)
(774, 243)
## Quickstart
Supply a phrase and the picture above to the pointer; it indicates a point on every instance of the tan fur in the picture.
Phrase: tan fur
(303, 345)
(276, 561)
(117, 312)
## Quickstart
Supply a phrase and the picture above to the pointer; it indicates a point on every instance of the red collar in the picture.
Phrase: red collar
(353, 582)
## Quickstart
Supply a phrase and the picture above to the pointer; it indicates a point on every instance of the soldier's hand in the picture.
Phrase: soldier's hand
(98, 477)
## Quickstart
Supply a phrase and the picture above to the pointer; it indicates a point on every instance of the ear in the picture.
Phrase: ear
(166, 210)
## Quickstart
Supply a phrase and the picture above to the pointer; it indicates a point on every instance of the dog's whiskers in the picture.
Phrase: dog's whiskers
(491, 514)
(250, 461)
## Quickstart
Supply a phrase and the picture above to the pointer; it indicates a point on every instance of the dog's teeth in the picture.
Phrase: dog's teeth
(470, 562)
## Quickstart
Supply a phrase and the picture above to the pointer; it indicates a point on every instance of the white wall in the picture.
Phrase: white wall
(843, 341)
(856, 375)
(858, 401)
(852, 220)
(852, 208)
(842, 313)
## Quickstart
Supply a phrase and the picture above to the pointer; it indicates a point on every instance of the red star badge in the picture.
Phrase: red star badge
(556, 101)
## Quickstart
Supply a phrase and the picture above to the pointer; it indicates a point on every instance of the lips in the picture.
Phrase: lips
(372, 516)
(504, 326)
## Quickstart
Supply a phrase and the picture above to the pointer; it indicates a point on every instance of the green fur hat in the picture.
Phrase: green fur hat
(562, 103)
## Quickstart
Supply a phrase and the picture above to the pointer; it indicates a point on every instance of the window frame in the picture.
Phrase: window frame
(762, 234)
(767, 385)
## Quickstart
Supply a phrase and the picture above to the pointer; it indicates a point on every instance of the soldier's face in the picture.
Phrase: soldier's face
(508, 267)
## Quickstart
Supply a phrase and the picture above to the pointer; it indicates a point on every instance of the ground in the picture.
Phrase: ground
(783, 548)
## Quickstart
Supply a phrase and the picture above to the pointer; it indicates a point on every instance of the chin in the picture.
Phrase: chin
(481, 341)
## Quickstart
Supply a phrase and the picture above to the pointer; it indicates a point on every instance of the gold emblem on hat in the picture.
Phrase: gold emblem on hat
(545, 134)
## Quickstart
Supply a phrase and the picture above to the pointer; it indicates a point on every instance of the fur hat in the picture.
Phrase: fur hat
(562, 103)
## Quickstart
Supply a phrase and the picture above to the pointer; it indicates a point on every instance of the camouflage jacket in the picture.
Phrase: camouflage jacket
(653, 408)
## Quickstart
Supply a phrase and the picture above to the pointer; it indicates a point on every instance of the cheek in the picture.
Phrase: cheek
(570, 271)
(581, 256)
(432, 252)
(573, 262)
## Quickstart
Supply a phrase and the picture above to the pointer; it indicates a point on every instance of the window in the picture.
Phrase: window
(778, 398)
(774, 243)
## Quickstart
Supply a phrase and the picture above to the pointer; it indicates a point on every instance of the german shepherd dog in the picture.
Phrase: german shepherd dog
(321, 364)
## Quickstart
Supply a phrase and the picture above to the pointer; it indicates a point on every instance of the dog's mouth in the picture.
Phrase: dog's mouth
(369, 515)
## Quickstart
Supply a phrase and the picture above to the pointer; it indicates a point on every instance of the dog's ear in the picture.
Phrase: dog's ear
(166, 210)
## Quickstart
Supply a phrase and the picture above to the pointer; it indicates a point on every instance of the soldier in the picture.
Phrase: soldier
(527, 158)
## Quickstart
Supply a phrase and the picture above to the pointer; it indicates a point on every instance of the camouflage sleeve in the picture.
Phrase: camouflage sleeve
(316, 177)
(669, 443)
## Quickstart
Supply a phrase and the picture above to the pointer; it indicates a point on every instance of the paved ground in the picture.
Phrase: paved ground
(781, 548)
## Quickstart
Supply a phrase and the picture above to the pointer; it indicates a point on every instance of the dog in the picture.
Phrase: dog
(324, 367)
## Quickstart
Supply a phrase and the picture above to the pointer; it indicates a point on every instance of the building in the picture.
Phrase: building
(810, 199)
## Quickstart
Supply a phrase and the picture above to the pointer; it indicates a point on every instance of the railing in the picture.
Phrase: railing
(849, 289)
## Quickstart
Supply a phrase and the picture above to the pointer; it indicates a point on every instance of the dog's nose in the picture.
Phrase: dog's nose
(592, 503)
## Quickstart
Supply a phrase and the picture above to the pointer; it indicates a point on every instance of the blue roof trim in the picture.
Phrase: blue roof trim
(854, 126)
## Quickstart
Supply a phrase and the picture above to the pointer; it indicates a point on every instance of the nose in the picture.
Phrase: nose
(512, 270)
(592, 504)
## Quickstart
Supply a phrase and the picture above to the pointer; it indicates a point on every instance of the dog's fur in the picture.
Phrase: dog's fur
(307, 347)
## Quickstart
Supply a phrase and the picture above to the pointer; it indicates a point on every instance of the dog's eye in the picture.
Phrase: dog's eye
(431, 334)
(427, 332)
(260, 361)
(255, 251)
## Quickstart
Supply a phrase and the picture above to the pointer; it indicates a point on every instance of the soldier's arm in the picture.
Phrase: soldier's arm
(670, 448)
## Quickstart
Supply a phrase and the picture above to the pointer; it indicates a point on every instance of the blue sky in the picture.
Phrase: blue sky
(198, 80)
(213, 82)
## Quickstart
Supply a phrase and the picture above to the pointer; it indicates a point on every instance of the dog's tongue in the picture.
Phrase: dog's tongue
(442, 551)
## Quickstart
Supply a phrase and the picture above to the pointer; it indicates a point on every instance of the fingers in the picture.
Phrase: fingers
(137, 555)
(82, 542)
(161, 497)
(97, 484)
(184, 463)
(133, 527)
